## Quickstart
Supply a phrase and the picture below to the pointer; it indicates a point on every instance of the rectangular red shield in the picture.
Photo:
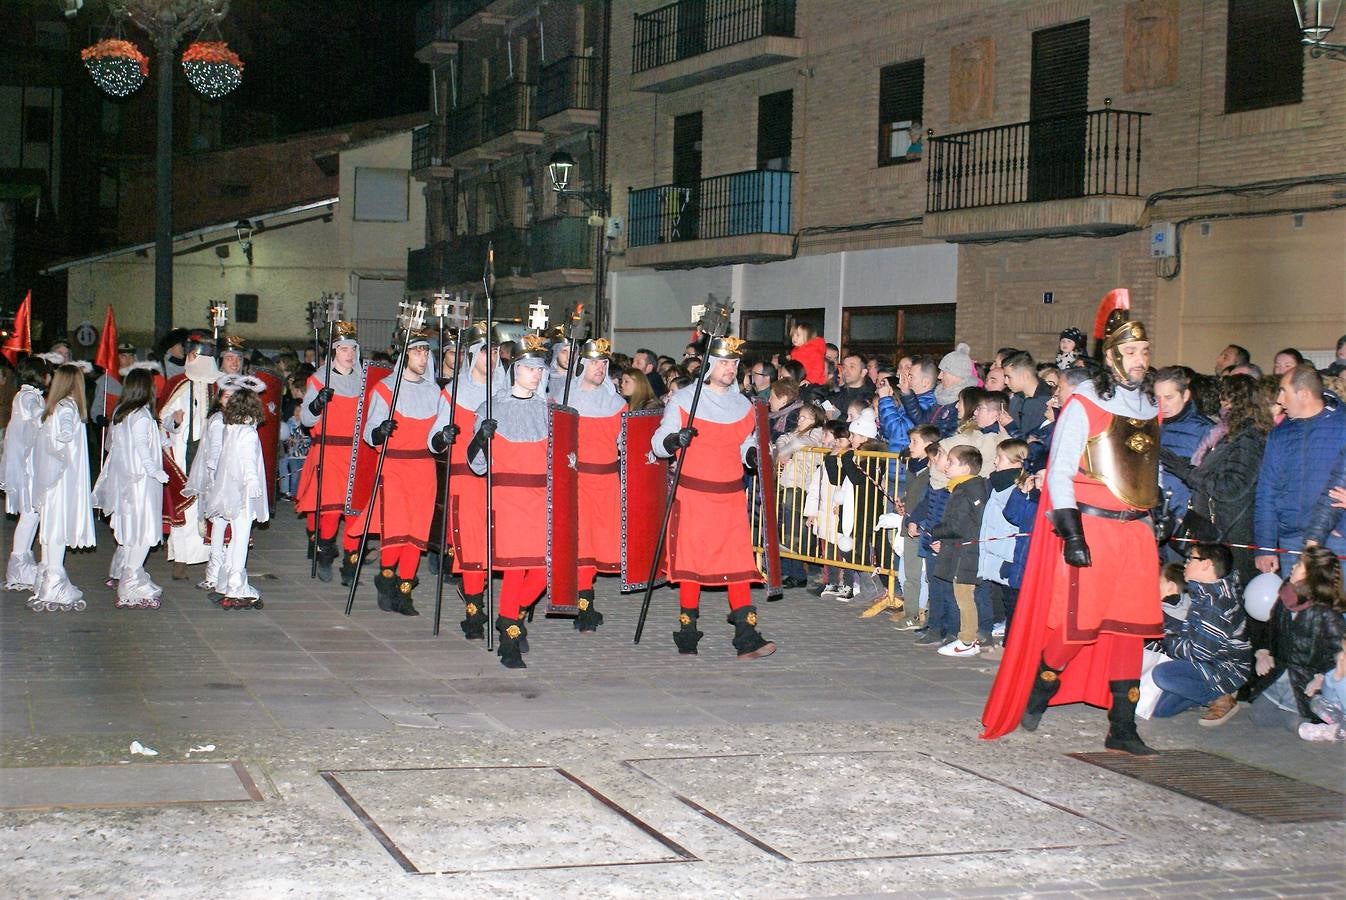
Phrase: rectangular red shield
(269, 433)
(364, 458)
(644, 496)
(563, 439)
(766, 498)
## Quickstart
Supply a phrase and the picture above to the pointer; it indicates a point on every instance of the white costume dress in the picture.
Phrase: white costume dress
(204, 465)
(236, 497)
(61, 491)
(16, 479)
(130, 491)
(191, 397)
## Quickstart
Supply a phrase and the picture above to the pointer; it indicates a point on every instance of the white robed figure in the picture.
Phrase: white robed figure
(183, 419)
(202, 475)
(16, 471)
(130, 491)
(61, 489)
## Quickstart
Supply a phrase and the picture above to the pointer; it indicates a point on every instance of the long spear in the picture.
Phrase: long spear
(488, 282)
(412, 318)
(455, 311)
(570, 358)
(715, 323)
(332, 305)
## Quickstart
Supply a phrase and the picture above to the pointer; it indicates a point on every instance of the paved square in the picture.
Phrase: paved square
(497, 819)
(867, 805)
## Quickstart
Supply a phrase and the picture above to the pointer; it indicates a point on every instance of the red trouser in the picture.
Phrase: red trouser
(403, 557)
(689, 595)
(519, 588)
(586, 577)
(1123, 663)
(473, 583)
(331, 520)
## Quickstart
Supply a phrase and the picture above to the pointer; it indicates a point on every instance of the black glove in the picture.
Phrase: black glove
(100, 421)
(682, 438)
(750, 459)
(445, 438)
(319, 403)
(485, 432)
(383, 431)
(1180, 467)
(1069, 525)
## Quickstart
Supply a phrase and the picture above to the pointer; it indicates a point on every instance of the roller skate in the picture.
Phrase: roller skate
(21, 574)
(37, 604)
(241, 603)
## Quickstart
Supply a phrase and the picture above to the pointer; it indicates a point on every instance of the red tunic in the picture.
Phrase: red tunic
(467, 500)
(519, 500)
(333, 436)
(402, 511)
(709, 537)
(600, 492)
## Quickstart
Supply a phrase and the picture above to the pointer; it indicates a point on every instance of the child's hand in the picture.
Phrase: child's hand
(883, 388)
(934, 545)
(1005, 418)
(1264, 662)
(810, 521)
(912, 530)
(1314, 686)
(1338, 495)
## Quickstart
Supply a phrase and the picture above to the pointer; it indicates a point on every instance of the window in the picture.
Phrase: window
(1264, 59)
(245, 307)
(380, 195)
(769, 331)
(886, 330)
(901, 97)
(775, 124)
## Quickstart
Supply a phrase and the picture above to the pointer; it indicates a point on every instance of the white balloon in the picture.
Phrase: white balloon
(1260, 595)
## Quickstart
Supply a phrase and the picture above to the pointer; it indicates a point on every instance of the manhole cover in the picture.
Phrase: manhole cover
(137, 784)
(1233, 786)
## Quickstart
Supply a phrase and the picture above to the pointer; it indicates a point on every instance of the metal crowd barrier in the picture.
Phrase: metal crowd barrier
(844, 535)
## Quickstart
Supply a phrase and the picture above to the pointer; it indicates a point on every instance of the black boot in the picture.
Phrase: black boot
(1045, 685)
(748, 641)
(402, 603)
(687, 636)
(348, 562)
(511, 632)
(327, 553)
(474, 622)
(589, 618)
(386, 584)
(312, 537)
(1122, 734)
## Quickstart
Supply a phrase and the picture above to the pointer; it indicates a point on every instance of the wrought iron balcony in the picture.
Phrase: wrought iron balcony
(569, 86)
(434, 32)
(429, 158)
(740, 216)
(462, 128)
(508, 108)
(462, 260)
(739, 35)
(562, 243)
(1091, 154)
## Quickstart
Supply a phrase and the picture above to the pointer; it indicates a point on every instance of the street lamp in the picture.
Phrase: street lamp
(559, 169)
(1317, 18)
(244, 231)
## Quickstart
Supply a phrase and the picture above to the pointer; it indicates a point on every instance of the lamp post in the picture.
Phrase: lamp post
(1317, 18)
(596, 199)
(166, 22)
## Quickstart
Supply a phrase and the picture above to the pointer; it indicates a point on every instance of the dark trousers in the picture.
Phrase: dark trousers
(943, 615)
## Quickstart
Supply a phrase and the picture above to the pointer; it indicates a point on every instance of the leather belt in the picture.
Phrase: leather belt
(408, 454)
(588, 468)
(333, 440)
(519, 479)
(1120, 515)
(461, 469)
(711, 487)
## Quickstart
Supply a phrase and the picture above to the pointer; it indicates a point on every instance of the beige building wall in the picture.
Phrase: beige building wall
(379, 247)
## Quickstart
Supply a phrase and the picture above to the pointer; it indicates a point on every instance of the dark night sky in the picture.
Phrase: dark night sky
(318, 63)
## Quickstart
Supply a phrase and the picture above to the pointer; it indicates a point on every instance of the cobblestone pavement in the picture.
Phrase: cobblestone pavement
(392, 762)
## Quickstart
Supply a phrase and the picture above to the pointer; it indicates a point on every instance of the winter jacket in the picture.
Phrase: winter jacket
(784, 420)
(1223, 489)
(796, 468)
(918, 409)
(1181, 435)
(1211, 636)
(896, 421)
(1325, 517)
(1298, 461)
(1020, 511)
(986, 440)
(996, 549)
(945, 418)
(960, 523)
(927, 515)
(1302, 645)
(831, 498)
(915, 485)
(1039, 443)
(1029, 412)
(813, 357)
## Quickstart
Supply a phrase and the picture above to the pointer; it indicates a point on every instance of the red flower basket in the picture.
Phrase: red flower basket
(116, 65)
(212, 68)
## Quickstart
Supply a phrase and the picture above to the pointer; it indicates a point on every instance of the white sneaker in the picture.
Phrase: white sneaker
(844, 592)
(958, 648)
(998, 629)
(831, 590)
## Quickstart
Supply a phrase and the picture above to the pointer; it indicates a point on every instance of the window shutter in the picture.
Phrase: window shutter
(901, 99)
(1264, 59)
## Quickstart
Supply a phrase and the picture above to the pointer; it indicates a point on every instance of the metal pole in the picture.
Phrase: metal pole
(488, 282)
(601, 176)
(448, 468)
(163, 206)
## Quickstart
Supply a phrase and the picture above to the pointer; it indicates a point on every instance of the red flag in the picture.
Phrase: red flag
(106, 357)
(20, 338)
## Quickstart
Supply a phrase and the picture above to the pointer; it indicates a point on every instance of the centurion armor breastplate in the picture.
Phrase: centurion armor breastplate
(1124, 458)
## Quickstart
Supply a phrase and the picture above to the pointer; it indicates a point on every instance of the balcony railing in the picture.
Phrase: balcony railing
(1057, 158)
(508, 108)
(463, 259)
(427, 147)
(570, 83)
(462, 128)
(434, 22)
(564, 242)
(691, 27)
(756, 202)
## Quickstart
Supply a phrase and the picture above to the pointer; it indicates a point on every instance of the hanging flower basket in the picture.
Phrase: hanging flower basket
(212, 68)
(116, 65)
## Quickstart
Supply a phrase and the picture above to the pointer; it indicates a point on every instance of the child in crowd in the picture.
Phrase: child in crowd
(1329, 704)
(1209, 657)
(1172, 587)
(1021, 508)
(996, 550)
(1303, 636)
(1072, 348)
(915, 486)
(871, 479)
(979, 426)
(955, 542)
(294, 441)
(130, 490)
(237, 496)
(16, 470)
(829, 510)
(61, 489)
(940, 624)
(797, 470)
(202, 474)
(810, 351)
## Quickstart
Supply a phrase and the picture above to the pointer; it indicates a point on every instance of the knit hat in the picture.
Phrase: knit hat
(1074, 334)
(959, 363)
(866, 425)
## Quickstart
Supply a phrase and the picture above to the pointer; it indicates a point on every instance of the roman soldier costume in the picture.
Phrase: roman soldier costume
(1090, 595)
(328, 412)
(709, 537)
(467, 493)
(399, 511)
(518, 440)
